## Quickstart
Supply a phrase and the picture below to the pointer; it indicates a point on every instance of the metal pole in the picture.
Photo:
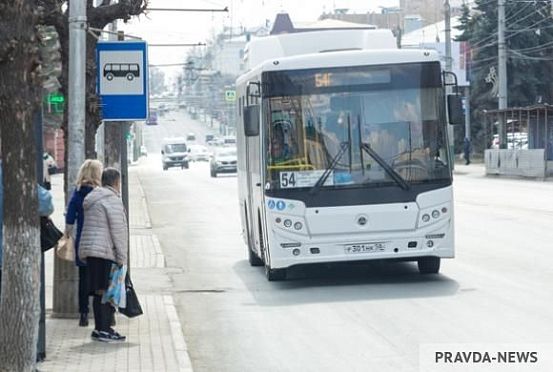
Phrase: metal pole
(449, 67)
(76, 99)
(65, 292)
(41, 343)
(502, 69)
(125, 166)
(467, 112)
(447, 14)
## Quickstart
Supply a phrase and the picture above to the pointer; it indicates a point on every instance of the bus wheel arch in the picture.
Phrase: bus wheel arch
(271, 274)
(253, 258)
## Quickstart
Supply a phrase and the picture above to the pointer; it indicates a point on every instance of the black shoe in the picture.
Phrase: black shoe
(95, 335)
(110, 336)
(83, 322)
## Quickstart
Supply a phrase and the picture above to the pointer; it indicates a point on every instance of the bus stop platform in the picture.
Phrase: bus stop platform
(155, 341)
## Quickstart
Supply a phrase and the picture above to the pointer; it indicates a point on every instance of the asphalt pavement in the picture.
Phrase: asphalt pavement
(363, 317)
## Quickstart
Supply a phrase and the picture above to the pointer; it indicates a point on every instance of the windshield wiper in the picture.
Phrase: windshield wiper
(344, 146)
(391, 172)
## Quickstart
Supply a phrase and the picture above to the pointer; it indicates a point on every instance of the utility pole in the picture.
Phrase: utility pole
(65, 274)
(467, 112)
(449, 68)
(502, 71)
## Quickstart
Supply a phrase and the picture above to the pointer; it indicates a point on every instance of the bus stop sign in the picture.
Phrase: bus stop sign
(122, 80)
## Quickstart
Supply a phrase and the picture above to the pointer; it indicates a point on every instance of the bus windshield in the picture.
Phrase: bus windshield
(379, 129)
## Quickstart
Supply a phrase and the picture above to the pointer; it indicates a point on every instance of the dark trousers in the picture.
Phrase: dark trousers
(103, 314)
(83, 289)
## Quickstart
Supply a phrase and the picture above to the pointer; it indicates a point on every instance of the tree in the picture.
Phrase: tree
(157, 81)
(529, 41)
(19, 96)
(98, 17)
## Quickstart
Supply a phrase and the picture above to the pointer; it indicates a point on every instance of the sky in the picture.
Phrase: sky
(199, 27)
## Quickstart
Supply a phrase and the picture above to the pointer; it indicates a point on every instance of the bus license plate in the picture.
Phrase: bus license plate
(365, 248)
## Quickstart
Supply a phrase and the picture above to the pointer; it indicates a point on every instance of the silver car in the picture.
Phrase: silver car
(223, 161)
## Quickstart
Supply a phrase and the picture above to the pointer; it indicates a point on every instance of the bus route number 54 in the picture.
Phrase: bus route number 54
(287, 179)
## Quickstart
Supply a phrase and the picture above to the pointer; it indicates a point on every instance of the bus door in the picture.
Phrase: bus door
(254, 175)
(254, 189)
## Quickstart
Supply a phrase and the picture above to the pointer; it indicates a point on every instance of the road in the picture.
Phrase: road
(371, 317)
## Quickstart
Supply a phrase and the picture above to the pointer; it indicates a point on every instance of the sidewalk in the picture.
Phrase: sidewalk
(155, 340)
(473, 169)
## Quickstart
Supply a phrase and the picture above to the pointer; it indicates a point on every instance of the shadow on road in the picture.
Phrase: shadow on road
(365, 281)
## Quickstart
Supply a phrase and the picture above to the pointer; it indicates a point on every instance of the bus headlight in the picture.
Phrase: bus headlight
(287, 223)
(298, 225)
(435, 213)
(425, 217)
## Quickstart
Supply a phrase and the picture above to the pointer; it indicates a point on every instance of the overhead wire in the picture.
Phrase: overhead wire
(479, 45)
(507, 20)
(510, 35)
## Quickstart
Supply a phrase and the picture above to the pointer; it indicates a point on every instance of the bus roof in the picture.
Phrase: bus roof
(286, 45)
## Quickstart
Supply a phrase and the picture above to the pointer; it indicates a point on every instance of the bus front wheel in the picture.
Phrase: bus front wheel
(274, 275)
(429, 265)
(253, 259)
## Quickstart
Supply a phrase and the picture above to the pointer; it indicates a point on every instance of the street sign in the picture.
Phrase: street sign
(122, 79)
(230, 95)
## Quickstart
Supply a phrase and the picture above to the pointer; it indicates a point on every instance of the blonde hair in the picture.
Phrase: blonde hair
(90, 174)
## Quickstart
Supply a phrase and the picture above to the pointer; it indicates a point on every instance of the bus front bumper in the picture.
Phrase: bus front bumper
(437, 241)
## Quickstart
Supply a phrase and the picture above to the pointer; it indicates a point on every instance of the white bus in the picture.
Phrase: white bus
(343, 152)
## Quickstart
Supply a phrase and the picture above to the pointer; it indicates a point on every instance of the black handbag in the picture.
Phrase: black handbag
(49, 234)
(133, 308)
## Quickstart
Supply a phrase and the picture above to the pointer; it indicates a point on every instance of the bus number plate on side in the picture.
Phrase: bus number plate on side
(365, 248)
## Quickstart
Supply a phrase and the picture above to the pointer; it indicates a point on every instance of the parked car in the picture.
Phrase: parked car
(198, 153)
(223, 161)
(209, 138)
(229, 141)
(152, 118)
(174, 153)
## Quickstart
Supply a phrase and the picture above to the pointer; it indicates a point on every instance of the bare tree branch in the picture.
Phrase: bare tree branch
(101, 16)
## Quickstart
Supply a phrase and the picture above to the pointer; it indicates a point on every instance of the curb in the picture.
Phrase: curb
(181, 349)
(177, 335)
(160, 262)
(148, 221)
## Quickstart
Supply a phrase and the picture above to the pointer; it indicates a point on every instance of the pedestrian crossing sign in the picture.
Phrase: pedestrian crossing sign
(230, 95)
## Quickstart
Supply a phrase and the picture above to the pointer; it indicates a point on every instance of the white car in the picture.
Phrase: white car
(198, 153)
(223, 161)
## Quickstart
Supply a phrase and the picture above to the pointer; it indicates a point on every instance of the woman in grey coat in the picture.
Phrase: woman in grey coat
(104, 242)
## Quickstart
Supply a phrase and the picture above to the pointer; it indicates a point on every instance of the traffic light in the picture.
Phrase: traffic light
(51, 57)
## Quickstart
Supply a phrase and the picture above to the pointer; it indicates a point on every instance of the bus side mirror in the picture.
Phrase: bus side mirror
(455, 109)
(162, 152)
(251, 121)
